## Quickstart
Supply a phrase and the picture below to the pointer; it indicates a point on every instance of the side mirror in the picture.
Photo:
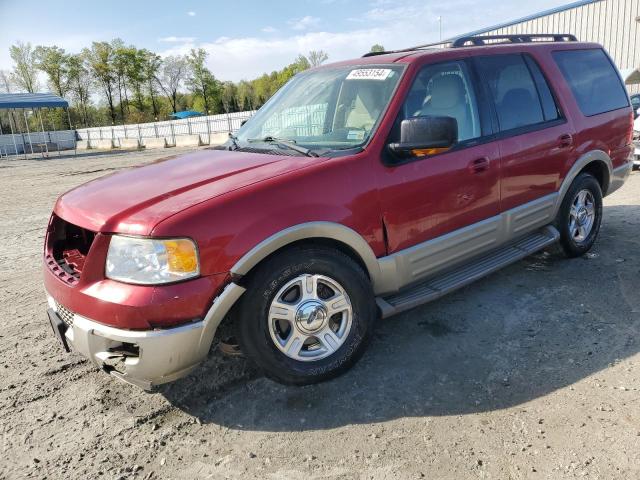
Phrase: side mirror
(636, 113)
(425, 135)
(243, 122)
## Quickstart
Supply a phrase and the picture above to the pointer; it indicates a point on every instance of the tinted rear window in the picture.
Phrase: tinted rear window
(593, 79)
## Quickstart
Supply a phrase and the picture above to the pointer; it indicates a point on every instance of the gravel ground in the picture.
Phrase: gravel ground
(532, 372)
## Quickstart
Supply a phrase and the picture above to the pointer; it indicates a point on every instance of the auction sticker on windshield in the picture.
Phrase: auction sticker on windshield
(369, 74)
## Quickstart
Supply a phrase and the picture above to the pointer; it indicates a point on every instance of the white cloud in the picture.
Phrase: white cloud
(191, 13)
(173, 39)
(304, 23)
(269, 29)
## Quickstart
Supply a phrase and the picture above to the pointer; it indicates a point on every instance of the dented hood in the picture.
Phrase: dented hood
(136, 200)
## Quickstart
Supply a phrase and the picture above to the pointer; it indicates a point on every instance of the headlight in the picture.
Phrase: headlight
(149, 261)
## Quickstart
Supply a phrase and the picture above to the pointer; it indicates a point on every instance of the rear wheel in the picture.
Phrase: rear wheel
(580, 215)
(307, 315)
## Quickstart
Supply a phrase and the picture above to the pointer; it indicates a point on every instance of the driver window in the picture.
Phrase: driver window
(445, 90)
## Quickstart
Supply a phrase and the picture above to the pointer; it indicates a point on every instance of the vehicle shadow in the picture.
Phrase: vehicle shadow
(539, 325)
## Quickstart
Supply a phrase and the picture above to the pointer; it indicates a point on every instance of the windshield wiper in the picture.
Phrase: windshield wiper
(290, 144)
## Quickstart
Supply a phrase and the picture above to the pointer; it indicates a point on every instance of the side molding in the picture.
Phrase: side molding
(327, 230)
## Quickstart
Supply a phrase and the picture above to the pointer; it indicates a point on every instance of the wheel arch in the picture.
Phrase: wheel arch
(595, 162)
(330, 234)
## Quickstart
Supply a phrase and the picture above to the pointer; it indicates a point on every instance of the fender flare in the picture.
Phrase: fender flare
(586, 159)
(310, 230)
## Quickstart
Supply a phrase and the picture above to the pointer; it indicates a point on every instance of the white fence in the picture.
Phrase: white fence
(204, 126)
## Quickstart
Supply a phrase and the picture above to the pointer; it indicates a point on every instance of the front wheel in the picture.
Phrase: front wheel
(307, 315)
(580, 215)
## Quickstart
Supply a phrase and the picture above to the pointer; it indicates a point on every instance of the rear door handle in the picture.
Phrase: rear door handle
(479, 165)
(566, 140)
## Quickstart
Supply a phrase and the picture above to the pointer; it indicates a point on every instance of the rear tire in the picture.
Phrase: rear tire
(306, 316)
(580, 216)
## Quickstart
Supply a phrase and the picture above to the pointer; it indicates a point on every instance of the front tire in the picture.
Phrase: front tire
(306, 316)
(580, 216)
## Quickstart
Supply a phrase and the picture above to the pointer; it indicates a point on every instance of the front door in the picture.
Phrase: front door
(444, 207)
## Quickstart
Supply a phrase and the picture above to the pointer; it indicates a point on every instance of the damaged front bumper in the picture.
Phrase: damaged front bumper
(143, 357)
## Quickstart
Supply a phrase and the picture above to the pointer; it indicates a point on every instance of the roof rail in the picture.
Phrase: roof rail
(482, 40)
(517, 38)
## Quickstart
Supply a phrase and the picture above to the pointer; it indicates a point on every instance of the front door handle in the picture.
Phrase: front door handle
(479, 165)
(566, 140)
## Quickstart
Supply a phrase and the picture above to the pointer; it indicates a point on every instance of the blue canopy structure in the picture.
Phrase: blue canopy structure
(31, 100)
(17, 105)
(185, 114)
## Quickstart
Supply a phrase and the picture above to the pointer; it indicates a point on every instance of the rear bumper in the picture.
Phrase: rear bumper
(619, 176)
(148, 357)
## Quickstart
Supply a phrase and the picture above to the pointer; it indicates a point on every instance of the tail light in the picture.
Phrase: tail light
(631, 122)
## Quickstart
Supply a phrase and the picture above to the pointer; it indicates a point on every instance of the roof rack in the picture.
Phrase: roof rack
(482, 40)
(517, 38)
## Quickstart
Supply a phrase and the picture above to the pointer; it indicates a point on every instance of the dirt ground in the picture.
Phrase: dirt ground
(533, 372)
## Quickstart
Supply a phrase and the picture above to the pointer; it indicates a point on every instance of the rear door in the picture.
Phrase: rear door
(536, 141)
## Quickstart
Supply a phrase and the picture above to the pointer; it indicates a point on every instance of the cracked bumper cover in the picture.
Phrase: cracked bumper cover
(149, 357)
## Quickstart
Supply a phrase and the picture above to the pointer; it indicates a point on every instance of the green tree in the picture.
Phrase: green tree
(119, 62)
(54, 62)
(377, 48)
(172, 75)
(200, 79)
(100, 61)
(317, 57)
(150, 69)
(25, 70)
(80, 83)
(5, 81)
(135, 74)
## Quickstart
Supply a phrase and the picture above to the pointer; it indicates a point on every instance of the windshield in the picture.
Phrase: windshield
(335, 108)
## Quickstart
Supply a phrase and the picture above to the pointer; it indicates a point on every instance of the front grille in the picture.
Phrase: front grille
(67, 246)
(65, 315)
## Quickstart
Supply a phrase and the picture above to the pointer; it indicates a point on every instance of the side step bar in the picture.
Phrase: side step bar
(439, 285)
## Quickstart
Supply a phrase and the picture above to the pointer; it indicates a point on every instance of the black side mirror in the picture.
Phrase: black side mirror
(425, 133)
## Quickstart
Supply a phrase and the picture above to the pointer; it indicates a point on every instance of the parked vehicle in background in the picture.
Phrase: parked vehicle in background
(360, 190)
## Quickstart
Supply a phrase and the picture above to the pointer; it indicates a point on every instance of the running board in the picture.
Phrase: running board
(436, 287)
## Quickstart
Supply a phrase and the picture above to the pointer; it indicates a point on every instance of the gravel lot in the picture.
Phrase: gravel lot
(533, 372)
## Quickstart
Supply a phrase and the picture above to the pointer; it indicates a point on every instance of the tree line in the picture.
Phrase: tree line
(114, 83)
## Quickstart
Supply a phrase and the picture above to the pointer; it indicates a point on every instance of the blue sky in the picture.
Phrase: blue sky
(246, 38)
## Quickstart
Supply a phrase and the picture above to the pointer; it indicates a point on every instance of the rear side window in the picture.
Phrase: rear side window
(593, 79)
(517, 96)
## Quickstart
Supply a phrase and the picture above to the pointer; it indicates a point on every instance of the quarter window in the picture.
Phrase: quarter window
(593, 79)
(515, 93)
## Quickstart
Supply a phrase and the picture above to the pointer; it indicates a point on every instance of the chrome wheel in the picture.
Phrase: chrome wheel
(582, 216)
(310, 317)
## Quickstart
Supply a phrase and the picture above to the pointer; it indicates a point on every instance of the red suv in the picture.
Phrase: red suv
(361, 189)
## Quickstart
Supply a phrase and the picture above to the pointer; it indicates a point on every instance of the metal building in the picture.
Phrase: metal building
(612, 23)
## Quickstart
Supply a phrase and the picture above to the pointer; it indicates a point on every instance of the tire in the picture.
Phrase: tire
(580, 216)
(283, 329)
